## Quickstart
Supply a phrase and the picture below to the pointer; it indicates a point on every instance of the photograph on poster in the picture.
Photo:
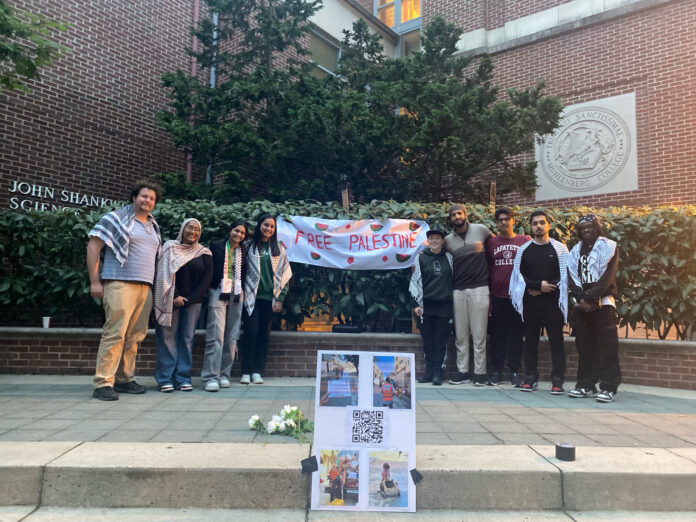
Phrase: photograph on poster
(339, 478)
(388, 479)
(339, 380)
(391, 382)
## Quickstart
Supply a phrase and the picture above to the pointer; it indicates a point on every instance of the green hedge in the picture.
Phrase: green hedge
(43, 270)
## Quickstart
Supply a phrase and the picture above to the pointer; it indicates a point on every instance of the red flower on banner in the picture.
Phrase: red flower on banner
(350, 260)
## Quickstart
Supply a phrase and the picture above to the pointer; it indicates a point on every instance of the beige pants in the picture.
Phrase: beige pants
(471, 318)
(127, 307)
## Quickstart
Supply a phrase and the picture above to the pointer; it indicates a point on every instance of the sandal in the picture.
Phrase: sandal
(166, 388)
(186, 387)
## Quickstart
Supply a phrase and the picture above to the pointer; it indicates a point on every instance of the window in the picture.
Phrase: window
(409, 12)
(324, 53)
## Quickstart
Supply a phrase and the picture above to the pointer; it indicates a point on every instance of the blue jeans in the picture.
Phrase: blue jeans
(221, 335)
(175, 345)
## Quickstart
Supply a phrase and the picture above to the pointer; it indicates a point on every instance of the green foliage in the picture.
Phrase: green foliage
(43, 269)
(25, 46)
(428, 126)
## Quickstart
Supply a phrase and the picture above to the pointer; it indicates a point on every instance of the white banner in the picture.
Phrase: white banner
(365, 244)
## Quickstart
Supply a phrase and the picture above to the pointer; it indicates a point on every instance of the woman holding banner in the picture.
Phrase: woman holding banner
(265, 286)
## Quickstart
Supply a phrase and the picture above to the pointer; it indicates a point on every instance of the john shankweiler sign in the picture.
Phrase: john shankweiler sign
(32, 196)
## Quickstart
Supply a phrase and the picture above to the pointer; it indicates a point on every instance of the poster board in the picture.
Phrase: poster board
(364, 431)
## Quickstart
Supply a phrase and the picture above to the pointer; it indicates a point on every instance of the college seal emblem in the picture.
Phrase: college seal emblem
(590, 148)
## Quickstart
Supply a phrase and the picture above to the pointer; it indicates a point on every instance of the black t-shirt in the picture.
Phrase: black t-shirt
(540, 263)
(193, 279)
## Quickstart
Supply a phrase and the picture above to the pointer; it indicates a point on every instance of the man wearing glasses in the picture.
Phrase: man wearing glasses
(506, 324)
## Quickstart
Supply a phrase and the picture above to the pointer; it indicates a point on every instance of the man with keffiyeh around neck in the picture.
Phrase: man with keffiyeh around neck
(592, 267)
(133, 242)
(539, 293)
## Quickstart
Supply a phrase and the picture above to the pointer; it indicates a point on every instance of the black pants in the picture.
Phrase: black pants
(597, 341)
(506, 335)
(257, 331)
(435, 332)
(543, 312)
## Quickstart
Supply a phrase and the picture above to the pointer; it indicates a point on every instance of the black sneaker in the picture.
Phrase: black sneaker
(557, 387)
(605, 396)
(130, 387)
(494, 379)
(460, 378)
(479, 379)
(530, 384)
(426, 377)
(437, 378)
(581, 393)
(515, 380)
(105, 393)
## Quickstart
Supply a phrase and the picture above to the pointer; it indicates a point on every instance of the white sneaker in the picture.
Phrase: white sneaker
(212, 386)
(245, 379)
(256, 378)
(224, 383)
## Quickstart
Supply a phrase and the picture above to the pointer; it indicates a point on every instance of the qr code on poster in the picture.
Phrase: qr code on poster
(367, 426)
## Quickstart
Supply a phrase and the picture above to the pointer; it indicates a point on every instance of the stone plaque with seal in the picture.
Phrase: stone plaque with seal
(593, 151)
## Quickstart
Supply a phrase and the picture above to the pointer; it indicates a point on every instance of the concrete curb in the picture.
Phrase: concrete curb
(256, 476)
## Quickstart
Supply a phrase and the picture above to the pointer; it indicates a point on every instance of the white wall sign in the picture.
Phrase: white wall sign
(364, 432)
(31, 196)
(593, 151)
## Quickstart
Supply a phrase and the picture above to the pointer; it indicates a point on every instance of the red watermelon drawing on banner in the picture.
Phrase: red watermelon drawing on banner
(413, 226)
(402, 258)
(321, 226)
(315, 256)
(376, 227)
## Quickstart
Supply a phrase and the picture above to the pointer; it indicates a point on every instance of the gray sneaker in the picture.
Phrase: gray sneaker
(581, 393)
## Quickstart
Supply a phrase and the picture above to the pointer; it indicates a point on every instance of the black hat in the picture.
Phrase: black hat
(435, 230)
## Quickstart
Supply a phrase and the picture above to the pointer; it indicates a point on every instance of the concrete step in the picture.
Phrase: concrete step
(58, 514)
(256, 476)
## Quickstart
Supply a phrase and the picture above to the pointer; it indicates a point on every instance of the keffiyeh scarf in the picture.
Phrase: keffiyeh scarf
(229, 286)
(175, 254)
(518, 287)
(281, 275)
(598, 259)
(115, 229)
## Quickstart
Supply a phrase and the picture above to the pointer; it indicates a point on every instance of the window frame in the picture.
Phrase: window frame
(319, 33)
(399, 26)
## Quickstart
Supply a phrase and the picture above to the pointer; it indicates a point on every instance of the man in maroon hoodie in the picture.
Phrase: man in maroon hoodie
(506, 323)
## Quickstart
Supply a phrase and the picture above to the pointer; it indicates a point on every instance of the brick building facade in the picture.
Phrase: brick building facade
(88, 128)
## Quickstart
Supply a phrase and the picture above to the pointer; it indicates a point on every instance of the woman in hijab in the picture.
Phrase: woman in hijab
(224, 307)
(265, 286)
(184, 271)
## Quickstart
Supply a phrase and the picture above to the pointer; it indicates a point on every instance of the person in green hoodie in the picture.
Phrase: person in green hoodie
(431, 289)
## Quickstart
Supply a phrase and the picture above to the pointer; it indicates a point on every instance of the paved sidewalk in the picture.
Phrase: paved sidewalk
(60, 408)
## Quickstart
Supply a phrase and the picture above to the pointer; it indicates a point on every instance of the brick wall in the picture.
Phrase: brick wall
(89, 125)
(670, 364)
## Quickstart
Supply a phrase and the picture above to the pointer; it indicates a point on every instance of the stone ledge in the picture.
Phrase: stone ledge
(239, 476)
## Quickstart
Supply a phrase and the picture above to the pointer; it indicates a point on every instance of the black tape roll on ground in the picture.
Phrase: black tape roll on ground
(565, 451)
